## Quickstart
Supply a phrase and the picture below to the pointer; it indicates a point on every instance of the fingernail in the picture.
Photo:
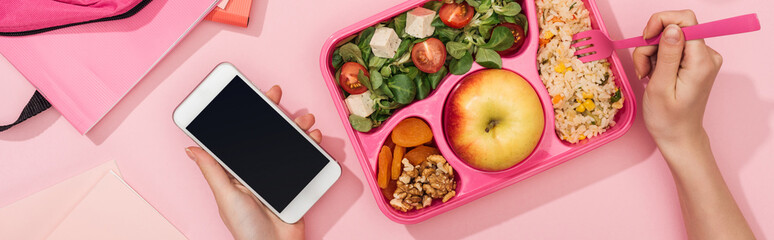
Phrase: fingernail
(672, 34)
(190, 154)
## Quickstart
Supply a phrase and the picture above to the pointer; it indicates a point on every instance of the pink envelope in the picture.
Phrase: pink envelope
(112, 210)
(39, 214)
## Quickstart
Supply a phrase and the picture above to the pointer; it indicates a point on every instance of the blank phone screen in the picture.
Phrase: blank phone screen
(258, 144)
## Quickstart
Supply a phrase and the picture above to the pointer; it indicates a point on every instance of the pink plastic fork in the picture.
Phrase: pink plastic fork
(601, 46)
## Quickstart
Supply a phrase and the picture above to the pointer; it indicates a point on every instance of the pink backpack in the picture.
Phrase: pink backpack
(27, 17)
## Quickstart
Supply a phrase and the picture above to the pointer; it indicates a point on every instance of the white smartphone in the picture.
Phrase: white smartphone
(259, 145)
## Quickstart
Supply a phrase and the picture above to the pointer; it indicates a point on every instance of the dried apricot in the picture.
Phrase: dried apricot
(390, 189)
(412, 132)
(383, 173)
(397, 156)
(419, 154)
(389, 143)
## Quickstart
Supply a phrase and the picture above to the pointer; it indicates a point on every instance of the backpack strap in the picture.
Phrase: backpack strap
(37, 104)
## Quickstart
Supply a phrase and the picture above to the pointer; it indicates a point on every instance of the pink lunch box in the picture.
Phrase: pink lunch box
(472, 183)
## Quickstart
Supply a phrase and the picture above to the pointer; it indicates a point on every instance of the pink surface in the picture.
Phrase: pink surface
(112, 210)
(36, 216)
(86, 69)
(472, 183)
(622, 190)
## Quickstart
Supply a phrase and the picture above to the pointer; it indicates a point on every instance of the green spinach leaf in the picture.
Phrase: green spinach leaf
(446, 34)
(433, 5)
(406, 56)
(423, 87)
(400, 25)
(364, 40)
(501, 40)
(510, 9)
(418, 40)
(473, 3)
(457, 49)
(522, 19)
(336, 60)
(360, 124)
(376, 79)
(474, 38)
(484, 6)
(384, 89)
(462, 65)
(380, 115)
(486, 25)
(361, 77)
(412, 72)
(510, 19)
(377, 62)
(488, 58)
(435, 78)
(387, 104)
(351, 53)
(403, 88)
(437, 22)
(386, 71)
(337, 75)
(404, 46)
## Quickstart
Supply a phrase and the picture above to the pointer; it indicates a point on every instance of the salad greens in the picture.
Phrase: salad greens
(403, 88)
(488, 58)
(462, 65)
(351, 53)
(397, 82)
(360, 123)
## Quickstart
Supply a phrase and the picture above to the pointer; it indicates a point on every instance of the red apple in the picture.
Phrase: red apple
(493, 120)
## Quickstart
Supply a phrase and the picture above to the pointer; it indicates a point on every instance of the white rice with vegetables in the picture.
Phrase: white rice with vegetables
(584, 95)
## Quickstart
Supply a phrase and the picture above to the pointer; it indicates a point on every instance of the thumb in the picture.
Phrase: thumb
(216, 176)
(670, 54)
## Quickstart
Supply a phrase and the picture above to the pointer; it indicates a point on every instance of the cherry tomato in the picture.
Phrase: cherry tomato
(456, 15)
(518, 38)
(348, 78)
(429, 56)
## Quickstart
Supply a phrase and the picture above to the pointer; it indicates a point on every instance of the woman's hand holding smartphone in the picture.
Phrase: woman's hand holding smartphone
(265, 170)
(244, 215)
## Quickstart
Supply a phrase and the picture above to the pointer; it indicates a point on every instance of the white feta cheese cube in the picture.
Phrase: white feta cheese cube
(360, 104)
(385, 42)
(419, 22)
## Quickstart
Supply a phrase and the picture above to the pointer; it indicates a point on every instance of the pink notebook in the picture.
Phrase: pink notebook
(85, 70)
(36, 216)
(114, 211)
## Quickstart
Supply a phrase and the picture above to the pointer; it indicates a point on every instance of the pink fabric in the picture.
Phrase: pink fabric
(28, 15)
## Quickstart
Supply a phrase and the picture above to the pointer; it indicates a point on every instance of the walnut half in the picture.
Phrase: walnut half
(418, 185)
